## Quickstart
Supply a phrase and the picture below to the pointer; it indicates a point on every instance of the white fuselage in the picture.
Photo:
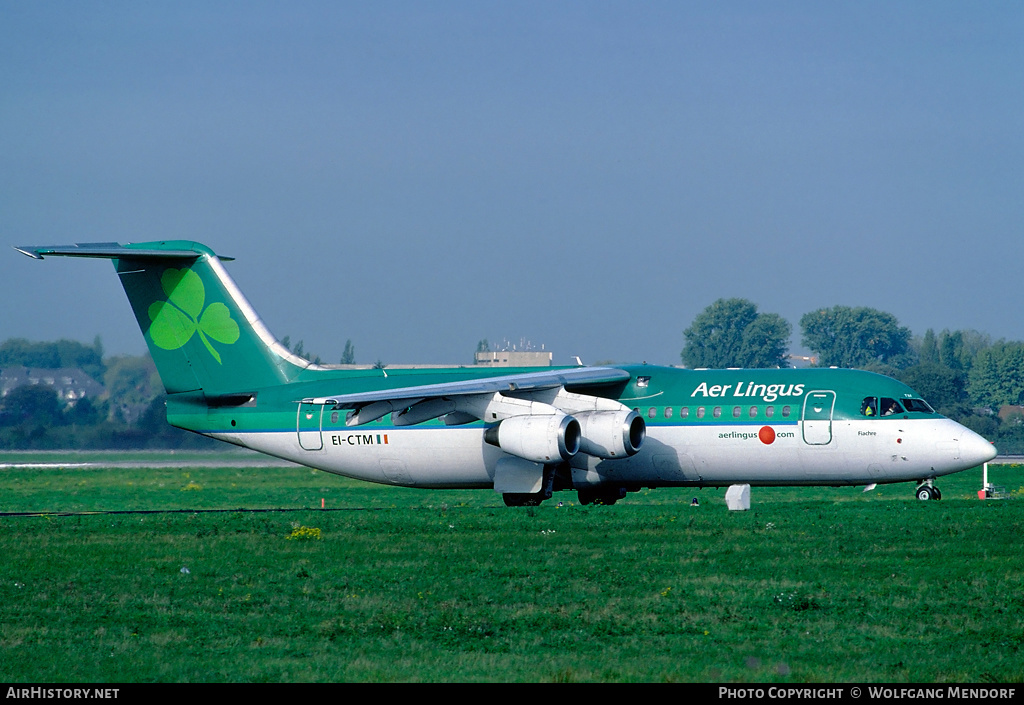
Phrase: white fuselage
(851, 452)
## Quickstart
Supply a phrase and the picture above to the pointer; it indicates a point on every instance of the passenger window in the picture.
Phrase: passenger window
(718, 412)
(736, 412)
(652, 412)
(890, 407)
(700, 412)
(668, 412)
(869, 407)
(785, 411)
(684, 412)
(769, 412)
(753, 412)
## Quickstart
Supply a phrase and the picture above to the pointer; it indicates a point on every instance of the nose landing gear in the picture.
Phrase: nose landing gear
(926, 490)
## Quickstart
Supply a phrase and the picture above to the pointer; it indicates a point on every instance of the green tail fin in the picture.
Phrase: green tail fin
(201, 331)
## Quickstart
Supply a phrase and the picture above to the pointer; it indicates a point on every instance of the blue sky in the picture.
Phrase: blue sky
(416, 176)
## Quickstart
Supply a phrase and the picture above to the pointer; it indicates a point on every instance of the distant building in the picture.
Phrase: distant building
(801, 361)
(1009, 411)
(70, 383)
(512, 358)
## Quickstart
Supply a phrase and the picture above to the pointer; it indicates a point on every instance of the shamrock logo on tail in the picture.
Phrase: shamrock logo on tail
(176, 320)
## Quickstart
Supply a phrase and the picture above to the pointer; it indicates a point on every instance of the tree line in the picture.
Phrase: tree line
(129, 414)
(963, 374)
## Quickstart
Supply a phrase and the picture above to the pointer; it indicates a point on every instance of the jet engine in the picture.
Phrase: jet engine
(611, 434)
(542, 438)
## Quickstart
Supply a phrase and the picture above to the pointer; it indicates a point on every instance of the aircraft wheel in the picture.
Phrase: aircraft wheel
(513, 499)
(606, 498)
(925, 493)
(938, 493)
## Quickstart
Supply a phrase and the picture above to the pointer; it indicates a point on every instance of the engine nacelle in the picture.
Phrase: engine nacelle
(611, 434)
(547, 438)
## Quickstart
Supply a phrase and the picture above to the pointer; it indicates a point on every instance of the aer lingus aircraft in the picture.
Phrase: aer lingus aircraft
(601, 431)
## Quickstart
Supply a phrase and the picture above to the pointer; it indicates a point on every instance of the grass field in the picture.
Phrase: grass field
(392, 584)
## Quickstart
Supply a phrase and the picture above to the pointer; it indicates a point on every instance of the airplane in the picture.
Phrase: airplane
(602, 431)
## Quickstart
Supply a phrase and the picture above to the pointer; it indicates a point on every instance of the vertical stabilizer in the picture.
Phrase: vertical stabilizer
(202, 333)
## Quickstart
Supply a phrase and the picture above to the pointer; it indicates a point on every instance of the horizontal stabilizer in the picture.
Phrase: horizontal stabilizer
(113, 250)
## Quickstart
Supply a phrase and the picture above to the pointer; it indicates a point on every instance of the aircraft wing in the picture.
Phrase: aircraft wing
(529, 381)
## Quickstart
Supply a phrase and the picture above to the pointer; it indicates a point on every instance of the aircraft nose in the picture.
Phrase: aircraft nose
(974, 449)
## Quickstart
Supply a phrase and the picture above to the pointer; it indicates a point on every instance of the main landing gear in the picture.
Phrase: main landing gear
(550, 481)
(926, 490)
(516, 499)
(557, 477)
(605, 496)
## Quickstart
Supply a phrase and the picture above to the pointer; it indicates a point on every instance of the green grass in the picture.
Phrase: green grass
(812, 584)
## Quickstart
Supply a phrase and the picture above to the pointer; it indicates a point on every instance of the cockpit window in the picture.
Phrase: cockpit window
(890, 407)
(874, 406)
(918, 405)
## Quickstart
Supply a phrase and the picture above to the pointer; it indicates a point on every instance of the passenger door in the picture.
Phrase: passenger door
(817, 417)
(308, 426)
